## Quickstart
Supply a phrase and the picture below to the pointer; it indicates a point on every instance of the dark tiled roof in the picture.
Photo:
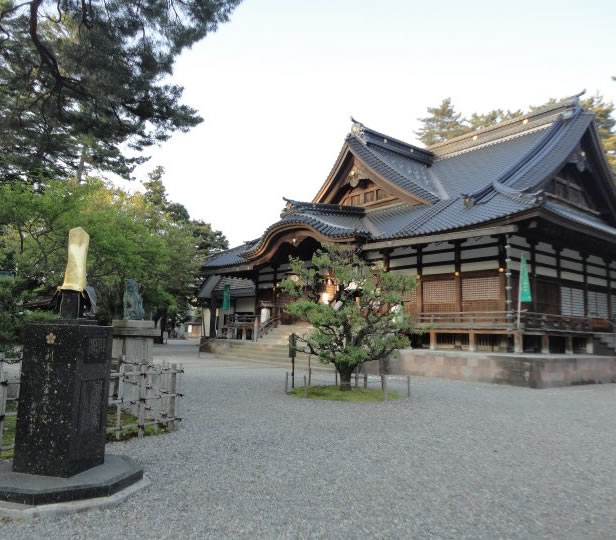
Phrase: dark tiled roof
(579, 217)
(477, 178)
(229, 257)
(379, 165)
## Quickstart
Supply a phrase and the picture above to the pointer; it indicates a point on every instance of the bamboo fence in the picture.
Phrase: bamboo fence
(149, 393)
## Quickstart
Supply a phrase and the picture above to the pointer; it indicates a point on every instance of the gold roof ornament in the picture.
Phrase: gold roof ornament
(75, 274)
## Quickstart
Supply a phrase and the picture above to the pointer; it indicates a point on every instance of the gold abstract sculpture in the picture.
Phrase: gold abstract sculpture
(75, 275)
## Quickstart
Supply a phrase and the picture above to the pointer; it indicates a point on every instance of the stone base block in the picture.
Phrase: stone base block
(530, 370)
(134, 340)
(114, 475)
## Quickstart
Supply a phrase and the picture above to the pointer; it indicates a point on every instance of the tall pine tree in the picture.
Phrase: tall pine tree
(441, 124)
(82, 82)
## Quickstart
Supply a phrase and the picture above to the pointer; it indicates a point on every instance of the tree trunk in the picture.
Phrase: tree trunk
(345, 372)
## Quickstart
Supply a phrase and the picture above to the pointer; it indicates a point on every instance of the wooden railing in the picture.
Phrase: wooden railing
(465, 319)
(504, 320)
(548, 321)
(266, 326)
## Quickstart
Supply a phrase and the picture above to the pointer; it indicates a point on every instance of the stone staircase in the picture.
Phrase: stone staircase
(605, 343)
(272, 349)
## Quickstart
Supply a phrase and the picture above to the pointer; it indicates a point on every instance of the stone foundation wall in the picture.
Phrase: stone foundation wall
(534, 371)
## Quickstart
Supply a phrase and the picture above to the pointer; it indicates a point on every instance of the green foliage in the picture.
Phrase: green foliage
(332, 393)
(606, 124)
(365, 321)
(83, 83)
(129, 238)
(441, 124)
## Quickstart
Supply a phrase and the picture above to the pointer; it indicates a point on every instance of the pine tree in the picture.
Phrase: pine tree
(82, 82)
(495, 116)
(606, 124)
(441, 124)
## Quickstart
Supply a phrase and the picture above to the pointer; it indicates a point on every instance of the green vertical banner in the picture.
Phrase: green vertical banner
(226, 298)
(525, 295)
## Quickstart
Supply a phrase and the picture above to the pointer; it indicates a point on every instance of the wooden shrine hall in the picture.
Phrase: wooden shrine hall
(458, 215)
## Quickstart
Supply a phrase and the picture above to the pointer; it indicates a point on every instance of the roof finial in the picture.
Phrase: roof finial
(358, 127)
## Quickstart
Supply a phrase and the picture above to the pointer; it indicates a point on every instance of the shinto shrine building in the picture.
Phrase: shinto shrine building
(458, 215)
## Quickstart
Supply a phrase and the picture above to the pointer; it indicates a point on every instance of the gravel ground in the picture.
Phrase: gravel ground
(457, 460)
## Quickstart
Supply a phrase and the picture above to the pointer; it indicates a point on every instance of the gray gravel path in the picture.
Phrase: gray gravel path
(457, 460)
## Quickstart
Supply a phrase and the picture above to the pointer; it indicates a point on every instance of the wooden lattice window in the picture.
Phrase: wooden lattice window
(439, 296)
(571, 302)
(597, 305)
(410, 301)
(481, 294)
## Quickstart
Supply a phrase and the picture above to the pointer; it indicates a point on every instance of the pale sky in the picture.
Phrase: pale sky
(277, 84)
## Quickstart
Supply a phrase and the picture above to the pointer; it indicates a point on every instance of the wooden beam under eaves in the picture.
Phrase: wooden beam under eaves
(457, 235)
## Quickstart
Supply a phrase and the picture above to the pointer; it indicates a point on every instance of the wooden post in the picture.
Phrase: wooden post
(365, 380)
(384, 379)
(142, 399)
(545, 344)
(419, 286)
(568, 345)
(518, 341)
(309, 376)
(336, 376)
(286, 382)
(255, 328)
(432, 340)
(408, 385)
(173, 389)
(305, 387)
(356, 379)
(590, 346)
(472, 346)
(457, 276)
(3, 396)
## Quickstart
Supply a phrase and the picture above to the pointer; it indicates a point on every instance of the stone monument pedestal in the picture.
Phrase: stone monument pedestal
(134, 340)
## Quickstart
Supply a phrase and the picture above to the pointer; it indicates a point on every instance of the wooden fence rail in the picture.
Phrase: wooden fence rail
(142, 394)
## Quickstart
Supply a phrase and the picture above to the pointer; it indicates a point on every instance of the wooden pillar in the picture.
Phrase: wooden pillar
(472, 345)
(419, 290)
(533, 275)
(432, 340)
(212, 308)
(457, 277)
(584, 271)
(274, 295)
(590, 345)
(508, 286)
(518, 341)
(568, 345)
(386, 254)
(608, 277)
(545, 344)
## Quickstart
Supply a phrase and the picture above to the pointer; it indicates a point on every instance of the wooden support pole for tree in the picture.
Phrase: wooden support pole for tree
(384, 383)
(356, 379)
(365, 380)
(336, 376)
(408, 385)
(3, 395)
(309, 376)
(173, 389)
(286, 382)
(305, 387)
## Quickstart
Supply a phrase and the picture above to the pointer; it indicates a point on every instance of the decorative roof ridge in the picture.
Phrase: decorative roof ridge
(530, 159)
(372, 137)
(383, 209)
(543, 114)
(493, 142)
(420, 191)
(293, 206)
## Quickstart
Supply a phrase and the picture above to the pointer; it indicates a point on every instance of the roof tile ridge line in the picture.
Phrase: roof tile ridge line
(530, 154)
(544, 152)
(563, 103)
(327, 207)
(433, 198)
(398, 141)
(429, 214)
(493, 142)
(370, 211)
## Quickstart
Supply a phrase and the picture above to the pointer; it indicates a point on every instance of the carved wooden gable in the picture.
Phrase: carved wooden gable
(353, 183)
